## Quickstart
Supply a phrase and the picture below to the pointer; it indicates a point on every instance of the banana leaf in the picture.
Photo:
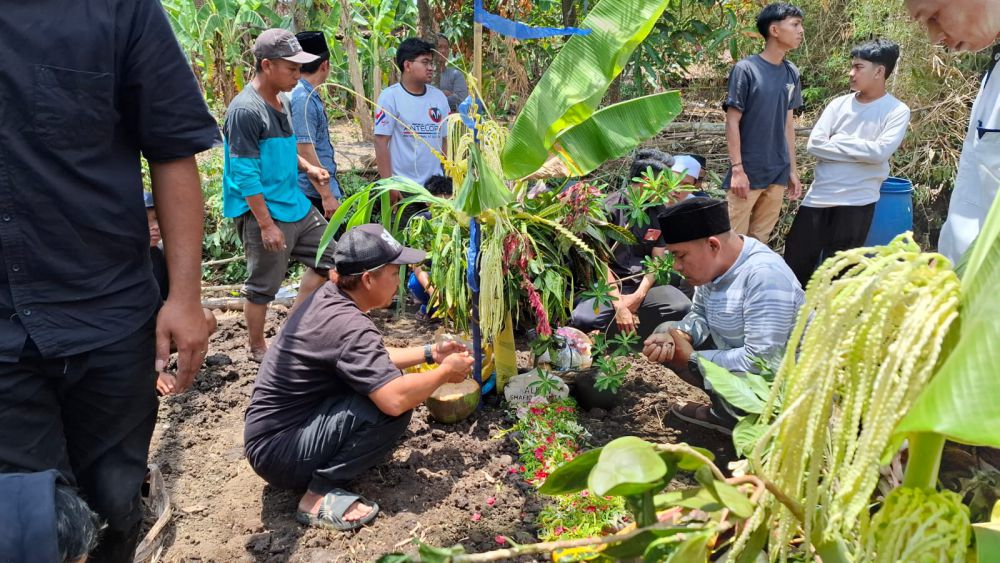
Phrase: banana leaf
(959, 402)
(573, 86)
(615, 130)
(482, 188)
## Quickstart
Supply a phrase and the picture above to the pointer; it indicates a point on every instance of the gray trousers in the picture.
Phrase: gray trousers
(344, 437)
(663, 303)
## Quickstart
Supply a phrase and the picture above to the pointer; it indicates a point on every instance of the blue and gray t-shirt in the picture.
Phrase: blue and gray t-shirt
(763, 92)
(261, 157)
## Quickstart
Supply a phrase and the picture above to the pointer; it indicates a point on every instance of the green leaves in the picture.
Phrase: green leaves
(571, 477)
(958, 402)
(627, 466)
(572, 87)
(738, 390)
(615, 130)
(482, 188)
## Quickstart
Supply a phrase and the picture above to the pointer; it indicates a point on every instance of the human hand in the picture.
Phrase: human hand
(441, 350)
(448, 93)
(683, 348)
(273, 238)
(330, 205)
(794, 187)
(457, 367)
(624, 318)
(632, 301)
(165, 383)
(739, 184)
(319, 176)
(659, 347)
(394, 196)
(182, 323)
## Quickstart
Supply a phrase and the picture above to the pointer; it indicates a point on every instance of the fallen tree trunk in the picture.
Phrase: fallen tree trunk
(236, 303)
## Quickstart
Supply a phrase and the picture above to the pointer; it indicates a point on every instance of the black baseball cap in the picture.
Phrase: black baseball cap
(313, 42)
(370, 246)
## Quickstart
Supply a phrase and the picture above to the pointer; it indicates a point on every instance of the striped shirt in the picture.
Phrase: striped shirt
(747, 312)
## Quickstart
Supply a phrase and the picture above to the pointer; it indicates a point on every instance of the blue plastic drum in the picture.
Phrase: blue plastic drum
(893, 212)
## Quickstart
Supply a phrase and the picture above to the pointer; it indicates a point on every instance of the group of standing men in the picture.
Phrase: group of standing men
(83, 330)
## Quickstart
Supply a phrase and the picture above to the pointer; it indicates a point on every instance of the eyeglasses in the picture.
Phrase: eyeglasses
(427, 63)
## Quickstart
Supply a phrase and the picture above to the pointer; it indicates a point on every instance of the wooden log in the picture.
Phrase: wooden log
(236, 303)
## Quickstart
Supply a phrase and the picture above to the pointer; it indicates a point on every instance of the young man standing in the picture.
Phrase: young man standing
(312, 129)
(852, 142)
(764, 90)
(260, 183)
(452, 80)
(410, 118)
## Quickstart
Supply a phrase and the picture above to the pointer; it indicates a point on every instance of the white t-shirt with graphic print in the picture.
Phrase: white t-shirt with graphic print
(423, 116)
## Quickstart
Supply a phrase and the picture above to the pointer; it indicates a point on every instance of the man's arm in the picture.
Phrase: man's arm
(769, 311)
(410, 389)
(382, 157)
(794, 184)
(177, 189)
(270, 235)
(846, 148)
(738, 183)
(414, 355)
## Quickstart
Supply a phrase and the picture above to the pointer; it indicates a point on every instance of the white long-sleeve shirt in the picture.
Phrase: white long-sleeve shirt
(852, 143)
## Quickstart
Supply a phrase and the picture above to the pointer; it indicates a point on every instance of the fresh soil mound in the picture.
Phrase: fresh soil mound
(435, 486)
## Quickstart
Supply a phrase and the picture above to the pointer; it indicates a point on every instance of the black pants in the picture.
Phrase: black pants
(343, 438)
(663, 303)
(819, 232)
(90, 416)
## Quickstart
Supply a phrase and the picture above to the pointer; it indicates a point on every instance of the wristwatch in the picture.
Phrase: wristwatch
(428, 353)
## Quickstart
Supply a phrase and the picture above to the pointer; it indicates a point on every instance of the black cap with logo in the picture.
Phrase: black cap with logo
(370, 246)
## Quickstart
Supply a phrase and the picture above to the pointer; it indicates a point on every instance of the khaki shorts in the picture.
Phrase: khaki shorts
(266, 269)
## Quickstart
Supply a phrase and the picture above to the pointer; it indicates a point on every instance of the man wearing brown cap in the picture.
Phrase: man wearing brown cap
(744, 307)
(273, 217)
(330, 400)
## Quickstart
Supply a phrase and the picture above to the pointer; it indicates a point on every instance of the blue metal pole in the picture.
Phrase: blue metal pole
(472, 278)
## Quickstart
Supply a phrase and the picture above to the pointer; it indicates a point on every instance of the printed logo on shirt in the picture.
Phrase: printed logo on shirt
(791, 91)
(651, 235)
(379, 116)
(435, 114)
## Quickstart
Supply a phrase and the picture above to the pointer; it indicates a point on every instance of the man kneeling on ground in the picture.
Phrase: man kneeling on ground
(744, 307)
(330, 400)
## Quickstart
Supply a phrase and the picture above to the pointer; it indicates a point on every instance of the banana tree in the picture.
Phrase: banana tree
(562, 115)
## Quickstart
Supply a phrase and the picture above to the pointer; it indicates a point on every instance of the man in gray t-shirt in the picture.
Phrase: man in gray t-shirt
(764, 89)
(452, 80)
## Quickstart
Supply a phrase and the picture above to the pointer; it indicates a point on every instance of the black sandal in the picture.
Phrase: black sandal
(332, 509)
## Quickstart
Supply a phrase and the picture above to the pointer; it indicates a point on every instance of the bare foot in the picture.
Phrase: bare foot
(311, 501)
(257, 354)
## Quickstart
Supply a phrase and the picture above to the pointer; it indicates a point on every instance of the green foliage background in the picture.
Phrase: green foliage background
(692, 48)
